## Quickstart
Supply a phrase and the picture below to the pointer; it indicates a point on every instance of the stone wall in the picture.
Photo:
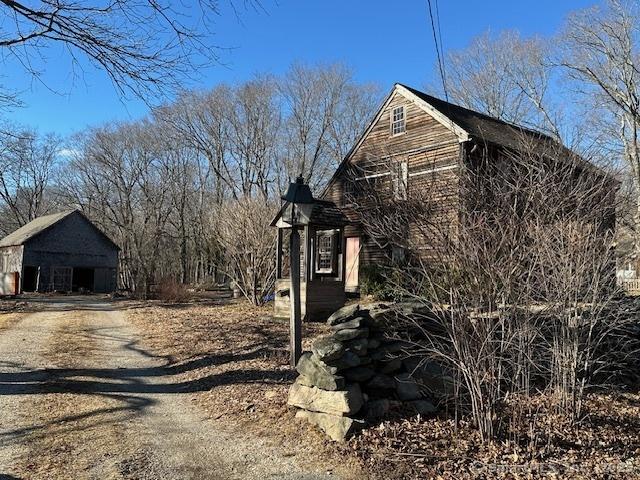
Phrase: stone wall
(355, 375)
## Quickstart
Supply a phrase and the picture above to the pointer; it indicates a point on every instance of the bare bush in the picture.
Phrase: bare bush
(518, 275)
(249, 245)
(171, 291)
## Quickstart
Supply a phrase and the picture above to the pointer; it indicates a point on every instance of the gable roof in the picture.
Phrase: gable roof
(466, 124)
(41, 224)
(480, 126)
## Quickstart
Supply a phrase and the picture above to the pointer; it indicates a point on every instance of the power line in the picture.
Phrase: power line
(437, 33)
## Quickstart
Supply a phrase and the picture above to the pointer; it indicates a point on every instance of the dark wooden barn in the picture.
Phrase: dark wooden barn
(63, 252)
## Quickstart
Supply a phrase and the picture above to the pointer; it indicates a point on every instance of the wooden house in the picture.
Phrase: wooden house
(416, 141)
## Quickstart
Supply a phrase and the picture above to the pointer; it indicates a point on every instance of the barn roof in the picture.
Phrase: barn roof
(33, 228)
(38, 225)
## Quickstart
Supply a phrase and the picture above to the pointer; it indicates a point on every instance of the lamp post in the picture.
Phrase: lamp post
(297, 194)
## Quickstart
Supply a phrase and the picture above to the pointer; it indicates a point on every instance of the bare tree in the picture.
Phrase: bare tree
(507, 77)
(254, 124)
(30, 161)
(600, 53)
(187, 192)
(145, 47)
(117, 178)
(325, 112)
(249, 246)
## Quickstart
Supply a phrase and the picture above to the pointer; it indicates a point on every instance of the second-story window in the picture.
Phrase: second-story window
(398, 124)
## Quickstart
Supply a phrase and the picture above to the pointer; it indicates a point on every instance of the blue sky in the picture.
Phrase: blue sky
(382, 41)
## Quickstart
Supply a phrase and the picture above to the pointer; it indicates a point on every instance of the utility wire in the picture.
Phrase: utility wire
(437, 33)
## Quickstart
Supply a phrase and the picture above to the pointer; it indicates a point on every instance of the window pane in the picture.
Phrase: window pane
(324, 255)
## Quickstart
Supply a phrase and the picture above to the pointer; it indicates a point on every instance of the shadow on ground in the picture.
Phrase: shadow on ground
(127, 388)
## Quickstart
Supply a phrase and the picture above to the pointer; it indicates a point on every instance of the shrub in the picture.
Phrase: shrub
(170, 291)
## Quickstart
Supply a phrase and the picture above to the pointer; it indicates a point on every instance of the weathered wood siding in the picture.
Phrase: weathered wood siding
(73, 242)
(319, 298)
(11, 259)
(432, 152)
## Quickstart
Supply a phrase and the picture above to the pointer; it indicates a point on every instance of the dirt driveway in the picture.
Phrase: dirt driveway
(80, 398)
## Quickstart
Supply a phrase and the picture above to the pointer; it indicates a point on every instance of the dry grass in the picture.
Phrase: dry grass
(234, 357)
(7, 320)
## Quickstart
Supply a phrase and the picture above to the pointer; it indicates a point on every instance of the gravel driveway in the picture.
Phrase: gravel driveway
(80, 398)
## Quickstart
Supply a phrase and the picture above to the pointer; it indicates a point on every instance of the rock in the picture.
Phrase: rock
(328, 382)
(353, 323)
(391, 366)
(359, 374)
(343, 315)
(365, 360)
(347, 360)
(407, 388)
(376, 409)
(308, 356)
(381, 381)
(423, 407)
(412, 364)
(338, 428)
(439, 387)
(318, 374)
(375, 309)
(304, 380)
(393, 346)
(350, 334)
(358, 346)
(327, 348)
(342, 402)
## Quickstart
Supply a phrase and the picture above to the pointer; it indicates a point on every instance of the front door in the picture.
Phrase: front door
(352, 264)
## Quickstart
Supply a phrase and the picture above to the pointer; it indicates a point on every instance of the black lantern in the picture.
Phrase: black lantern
(297, 194)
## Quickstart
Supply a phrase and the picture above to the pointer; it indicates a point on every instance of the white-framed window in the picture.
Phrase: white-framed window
(326, 251)
(400, 180)
(398, 123)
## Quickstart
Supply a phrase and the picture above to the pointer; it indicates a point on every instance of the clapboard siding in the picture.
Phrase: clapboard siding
(432, 152)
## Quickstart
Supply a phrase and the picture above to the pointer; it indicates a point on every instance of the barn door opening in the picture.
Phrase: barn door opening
(30, 279)
(60, 280)
(352, 264)
(83, 279)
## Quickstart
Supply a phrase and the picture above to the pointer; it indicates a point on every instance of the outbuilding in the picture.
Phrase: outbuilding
(62, 252)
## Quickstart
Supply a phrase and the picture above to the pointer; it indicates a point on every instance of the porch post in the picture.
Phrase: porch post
(294, 298)
(279, 254)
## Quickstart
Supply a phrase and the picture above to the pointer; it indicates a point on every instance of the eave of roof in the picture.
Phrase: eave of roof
(33, 228)
(40, 225)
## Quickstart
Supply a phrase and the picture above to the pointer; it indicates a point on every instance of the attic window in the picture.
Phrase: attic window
(398, 121)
